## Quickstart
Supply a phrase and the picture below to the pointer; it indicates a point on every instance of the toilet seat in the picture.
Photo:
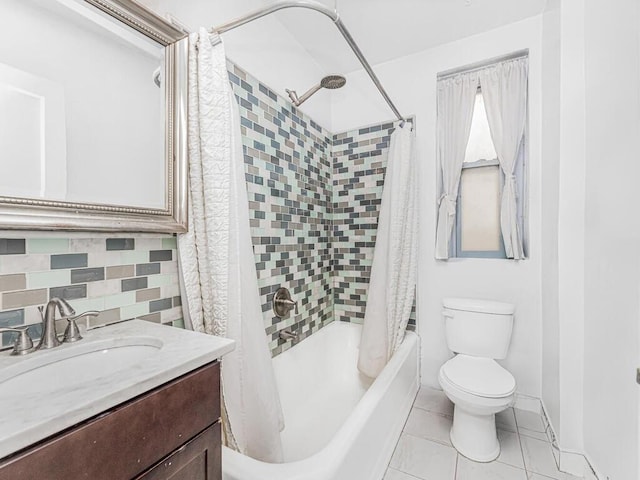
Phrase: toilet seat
(479, 376)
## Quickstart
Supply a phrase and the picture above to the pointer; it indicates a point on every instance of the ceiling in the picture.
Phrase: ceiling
(295, 47)
(383, 29)
(388, 29)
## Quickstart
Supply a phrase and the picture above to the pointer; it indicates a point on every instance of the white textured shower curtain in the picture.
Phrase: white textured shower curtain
(393, 273)
(216, 257)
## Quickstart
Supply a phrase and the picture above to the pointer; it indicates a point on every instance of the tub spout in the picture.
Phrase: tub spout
(288, 335)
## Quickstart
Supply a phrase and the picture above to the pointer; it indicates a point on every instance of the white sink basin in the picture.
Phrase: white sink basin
(46, 391)
(77, 364)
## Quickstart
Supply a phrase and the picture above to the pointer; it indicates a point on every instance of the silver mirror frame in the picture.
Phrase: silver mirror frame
(37, 214)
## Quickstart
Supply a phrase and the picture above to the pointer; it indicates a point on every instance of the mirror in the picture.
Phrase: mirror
(92, 117)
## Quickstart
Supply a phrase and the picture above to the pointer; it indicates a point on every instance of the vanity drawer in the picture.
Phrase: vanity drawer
(125, 441)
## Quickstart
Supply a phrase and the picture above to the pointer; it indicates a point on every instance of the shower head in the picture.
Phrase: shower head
(333, 81)
(330, 82)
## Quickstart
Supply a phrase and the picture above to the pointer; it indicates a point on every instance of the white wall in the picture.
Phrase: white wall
(264, 48)
(571, 229)
(612, 236)
(550, 180)
(590, 327)
(411, 83)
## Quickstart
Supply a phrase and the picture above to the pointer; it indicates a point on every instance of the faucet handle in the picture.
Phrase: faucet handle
(72, 332)
(24, 343)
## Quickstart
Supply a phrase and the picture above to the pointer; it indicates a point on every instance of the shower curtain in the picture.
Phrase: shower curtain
(393, 273)
(216, 257)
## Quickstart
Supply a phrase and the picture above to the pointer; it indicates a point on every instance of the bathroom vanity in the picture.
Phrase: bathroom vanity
(156, 418)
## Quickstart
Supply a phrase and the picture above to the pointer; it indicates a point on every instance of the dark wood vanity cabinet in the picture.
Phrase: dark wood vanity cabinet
(171, 432)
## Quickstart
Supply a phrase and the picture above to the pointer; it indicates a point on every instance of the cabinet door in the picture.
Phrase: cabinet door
(198, 459)
(126, 441)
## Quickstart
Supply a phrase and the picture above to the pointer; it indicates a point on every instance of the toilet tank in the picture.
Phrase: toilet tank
(481, 328)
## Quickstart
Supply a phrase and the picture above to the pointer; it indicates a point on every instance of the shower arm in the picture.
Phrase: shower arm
(333, 15)
(297, 101)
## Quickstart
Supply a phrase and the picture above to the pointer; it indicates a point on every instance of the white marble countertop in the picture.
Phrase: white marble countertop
(31, 411)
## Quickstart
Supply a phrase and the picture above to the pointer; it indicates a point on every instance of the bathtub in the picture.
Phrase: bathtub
(339, 425)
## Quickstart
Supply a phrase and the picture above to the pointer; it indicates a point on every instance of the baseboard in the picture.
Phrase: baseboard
(526, 402)
(568, 461)
(573, 463)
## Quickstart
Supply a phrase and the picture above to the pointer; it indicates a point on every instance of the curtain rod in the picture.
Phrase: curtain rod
(483, 64)
(318, 7)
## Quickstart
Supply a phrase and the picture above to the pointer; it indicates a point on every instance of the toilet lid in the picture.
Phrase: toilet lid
(479, 376)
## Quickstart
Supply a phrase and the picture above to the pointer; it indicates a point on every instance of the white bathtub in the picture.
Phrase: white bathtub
(338, 425)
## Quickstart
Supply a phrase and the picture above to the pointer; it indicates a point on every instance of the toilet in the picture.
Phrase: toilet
(478, 332)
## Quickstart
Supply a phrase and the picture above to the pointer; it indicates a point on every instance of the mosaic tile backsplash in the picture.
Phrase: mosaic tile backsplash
(314, 199)
(123, 278)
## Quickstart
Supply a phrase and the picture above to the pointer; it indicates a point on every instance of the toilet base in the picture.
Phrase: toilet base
(475, 436)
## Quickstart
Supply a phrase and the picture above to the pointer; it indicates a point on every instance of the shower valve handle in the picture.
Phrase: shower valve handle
(282, 303)
(289, 304)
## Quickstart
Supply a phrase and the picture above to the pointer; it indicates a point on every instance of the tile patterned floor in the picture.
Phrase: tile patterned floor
(424, 451)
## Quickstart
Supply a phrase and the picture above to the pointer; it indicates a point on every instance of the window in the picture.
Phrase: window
(476, 187)
(477, 231)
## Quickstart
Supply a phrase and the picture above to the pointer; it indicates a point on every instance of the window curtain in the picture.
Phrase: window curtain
(218, 272)
(394, 269)
(456, 98)
(504, 88)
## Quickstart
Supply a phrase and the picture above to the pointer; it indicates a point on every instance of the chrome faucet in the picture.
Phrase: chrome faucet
(49, 335)
(49, 339)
